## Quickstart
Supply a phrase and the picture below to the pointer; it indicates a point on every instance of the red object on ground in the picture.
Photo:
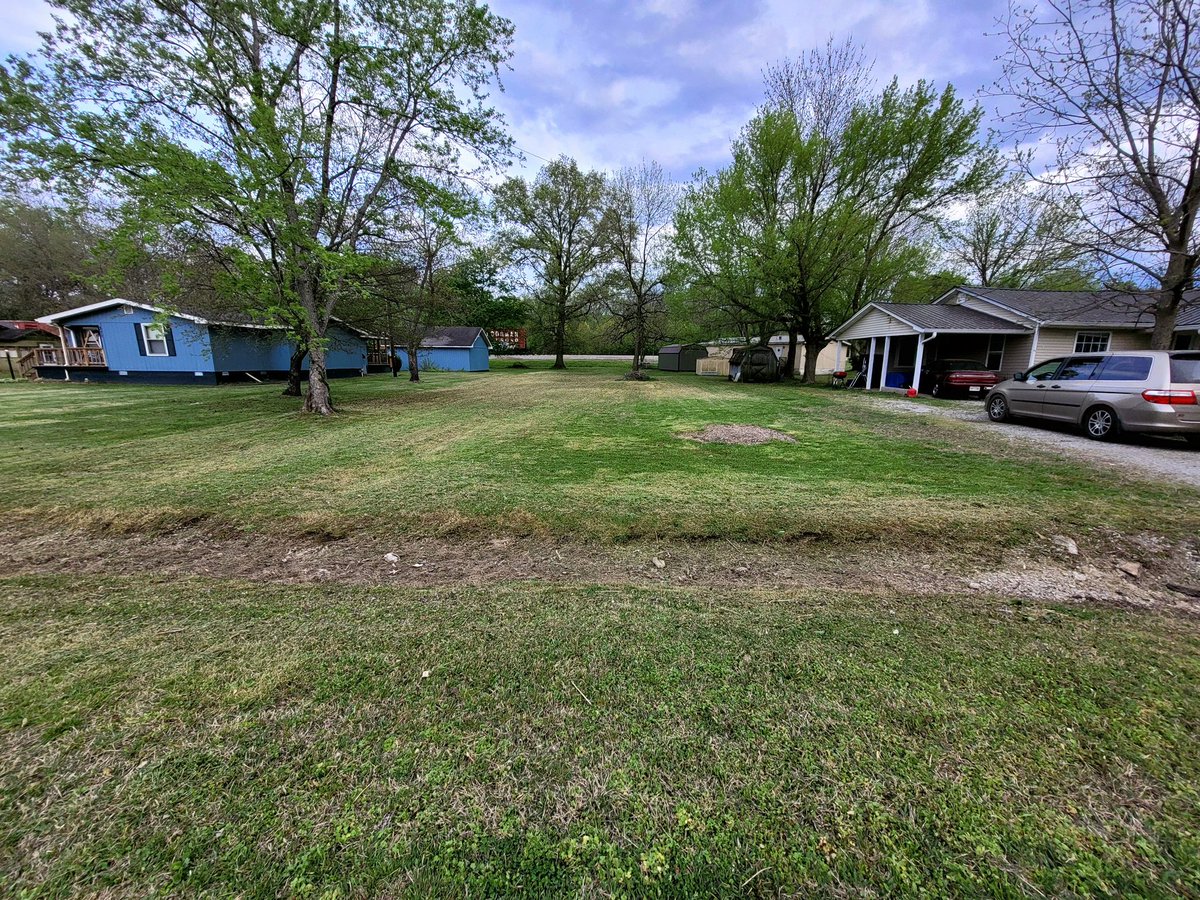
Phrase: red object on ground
(911, 392)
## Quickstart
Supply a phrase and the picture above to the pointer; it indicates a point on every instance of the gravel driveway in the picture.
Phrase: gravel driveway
(1153, 457)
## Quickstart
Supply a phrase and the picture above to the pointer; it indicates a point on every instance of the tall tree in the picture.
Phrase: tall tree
(554, 231)
(639, 215)
(823, 207)
(1018, 238)
(47, 260)
(289, 130)
(1116, 85)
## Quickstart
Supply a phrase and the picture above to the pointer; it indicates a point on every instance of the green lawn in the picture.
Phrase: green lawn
(265, 740)
(579, 454)
(189, 735)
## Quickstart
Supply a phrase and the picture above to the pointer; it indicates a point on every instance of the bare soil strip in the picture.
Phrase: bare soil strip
(1169, 576)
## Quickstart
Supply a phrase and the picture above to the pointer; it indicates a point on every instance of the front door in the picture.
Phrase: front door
(1025, 397)
(1066, 391)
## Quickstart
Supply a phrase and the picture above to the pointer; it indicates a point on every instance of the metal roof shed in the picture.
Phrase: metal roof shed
(681, 357)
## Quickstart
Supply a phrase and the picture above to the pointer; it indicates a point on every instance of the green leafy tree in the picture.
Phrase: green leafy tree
(554, 232)
(294, 132)
(47, 261)
(829, 192)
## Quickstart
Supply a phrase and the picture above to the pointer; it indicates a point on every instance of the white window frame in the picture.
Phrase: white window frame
(1089, 336)
(146, 338)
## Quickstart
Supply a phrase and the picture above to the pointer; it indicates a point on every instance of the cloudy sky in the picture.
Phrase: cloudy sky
(612, 82)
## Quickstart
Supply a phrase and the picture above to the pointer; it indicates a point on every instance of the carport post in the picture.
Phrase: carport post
(887, 349)
(871, 365)
(837, 362)
(916, 382)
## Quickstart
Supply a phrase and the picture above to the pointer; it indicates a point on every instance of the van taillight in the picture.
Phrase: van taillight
(1171, 398)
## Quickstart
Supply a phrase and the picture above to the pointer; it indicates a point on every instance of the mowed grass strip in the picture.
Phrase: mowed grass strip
(227, 738)
(578, 454)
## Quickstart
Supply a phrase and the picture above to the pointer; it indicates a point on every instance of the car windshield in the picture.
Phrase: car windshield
(1185, 369)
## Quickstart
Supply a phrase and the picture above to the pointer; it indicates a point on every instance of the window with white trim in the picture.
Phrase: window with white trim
(1092, 341)
(154, 338)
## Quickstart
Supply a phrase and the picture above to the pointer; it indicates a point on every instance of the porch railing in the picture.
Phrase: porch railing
(82, 357)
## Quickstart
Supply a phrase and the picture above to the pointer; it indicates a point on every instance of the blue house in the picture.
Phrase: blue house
(122, 340)
(451, 349)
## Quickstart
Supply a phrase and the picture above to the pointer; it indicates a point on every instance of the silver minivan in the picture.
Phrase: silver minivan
(1140, 391)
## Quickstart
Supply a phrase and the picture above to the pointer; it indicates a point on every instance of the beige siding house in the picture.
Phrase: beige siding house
(1005, 330)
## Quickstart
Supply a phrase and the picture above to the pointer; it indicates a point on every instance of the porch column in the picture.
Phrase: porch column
(1033, 348)
(916, 382)
(837, 362)
(62, 340)
(887, 351)
(871, 364)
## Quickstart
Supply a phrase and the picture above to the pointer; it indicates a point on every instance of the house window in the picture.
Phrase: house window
(1092, 341)
(154, 338)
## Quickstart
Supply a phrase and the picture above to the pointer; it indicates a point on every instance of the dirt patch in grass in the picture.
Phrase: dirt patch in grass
(745, 435)
(1033, 573)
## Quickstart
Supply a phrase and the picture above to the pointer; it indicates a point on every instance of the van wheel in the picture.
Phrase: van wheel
(1101, 424)
(997, 409)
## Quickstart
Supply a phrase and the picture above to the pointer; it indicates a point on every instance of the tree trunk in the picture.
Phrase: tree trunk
(560, 335)
(811, 355)
(295, 371)
(414, 367)
(1166, 313)
(789, 364)
(318, 400)
(639, 341)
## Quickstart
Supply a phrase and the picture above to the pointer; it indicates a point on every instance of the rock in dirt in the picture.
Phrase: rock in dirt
(1132, 569)
(660, 563)
(391, 557)
(1061, 540)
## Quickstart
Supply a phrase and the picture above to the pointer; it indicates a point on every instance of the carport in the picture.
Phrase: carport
(900, 338)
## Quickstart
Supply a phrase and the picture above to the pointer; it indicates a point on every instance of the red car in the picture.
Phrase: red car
(958, 378)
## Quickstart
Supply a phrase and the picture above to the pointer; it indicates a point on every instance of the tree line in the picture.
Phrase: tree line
(330, 158)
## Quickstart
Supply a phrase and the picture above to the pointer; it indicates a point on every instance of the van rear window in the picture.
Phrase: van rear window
(1124, 368)
(1185, 369)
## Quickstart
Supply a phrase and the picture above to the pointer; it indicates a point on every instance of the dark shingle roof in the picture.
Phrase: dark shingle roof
(1117, 308)
(949, 318)
(455, 336)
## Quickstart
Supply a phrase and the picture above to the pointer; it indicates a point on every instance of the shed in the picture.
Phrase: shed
(681, 357)
(451, 349)
(756, 364)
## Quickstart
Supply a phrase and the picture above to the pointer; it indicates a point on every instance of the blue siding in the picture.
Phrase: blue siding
(118, 336)
(263, 350)
(247, 349)
(479, 355)
(451, 359)
(344, 350)
(210, 349)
